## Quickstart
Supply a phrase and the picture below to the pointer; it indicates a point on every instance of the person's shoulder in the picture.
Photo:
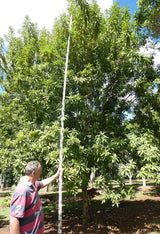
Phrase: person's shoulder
(22, 187)
(38, 184)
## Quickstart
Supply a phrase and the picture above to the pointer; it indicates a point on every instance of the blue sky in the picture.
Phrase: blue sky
(131, 4)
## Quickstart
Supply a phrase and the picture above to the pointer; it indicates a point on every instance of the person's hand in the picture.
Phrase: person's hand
(59, 170)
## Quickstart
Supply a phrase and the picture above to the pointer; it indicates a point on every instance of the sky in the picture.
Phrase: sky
(41, 12)
(131, 4)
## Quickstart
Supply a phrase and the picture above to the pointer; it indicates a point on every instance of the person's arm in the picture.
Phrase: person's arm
(14, 225)
(49, 180)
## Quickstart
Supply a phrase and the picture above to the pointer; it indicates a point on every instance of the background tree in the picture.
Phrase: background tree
(146, 150)
(128, 170)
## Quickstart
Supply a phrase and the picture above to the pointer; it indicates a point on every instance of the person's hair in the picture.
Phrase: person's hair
(31, 166)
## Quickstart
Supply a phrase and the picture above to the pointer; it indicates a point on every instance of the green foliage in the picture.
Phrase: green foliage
(148, 16)
(116, 194)
(100, 181)
(5, 202)
(148, 106)
(41, 145)
(146, 148)
(128, 169)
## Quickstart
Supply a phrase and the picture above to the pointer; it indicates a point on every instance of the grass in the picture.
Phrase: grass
(5, 194)
(4, 214)
(4, 208)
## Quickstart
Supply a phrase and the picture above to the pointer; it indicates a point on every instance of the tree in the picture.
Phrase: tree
(96, 84)
(28, 104)
(105, 66)
(148, 16)
(128, 169)
(146, 149)
(147, 110)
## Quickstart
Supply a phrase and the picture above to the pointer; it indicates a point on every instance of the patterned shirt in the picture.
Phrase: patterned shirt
(27, 207)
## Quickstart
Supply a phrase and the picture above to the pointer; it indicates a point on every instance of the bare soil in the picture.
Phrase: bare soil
(138, 216)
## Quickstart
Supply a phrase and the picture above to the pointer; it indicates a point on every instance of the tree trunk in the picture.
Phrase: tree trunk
(2, 182)
(85, 207)
(47, 188)
(144, 182)
(130, 179)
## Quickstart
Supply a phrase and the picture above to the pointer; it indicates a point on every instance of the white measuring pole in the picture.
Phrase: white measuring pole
(61, 139)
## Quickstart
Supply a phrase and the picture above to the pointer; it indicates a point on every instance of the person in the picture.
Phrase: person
(26, 214)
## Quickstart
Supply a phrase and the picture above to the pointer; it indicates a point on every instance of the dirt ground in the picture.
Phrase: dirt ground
(138, 216)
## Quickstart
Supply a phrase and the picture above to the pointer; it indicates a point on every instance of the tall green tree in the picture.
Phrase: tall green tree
(33, 71)
(104, 69)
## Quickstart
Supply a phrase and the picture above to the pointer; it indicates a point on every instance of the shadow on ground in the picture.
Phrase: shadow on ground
(142, 216)
(3, 222)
